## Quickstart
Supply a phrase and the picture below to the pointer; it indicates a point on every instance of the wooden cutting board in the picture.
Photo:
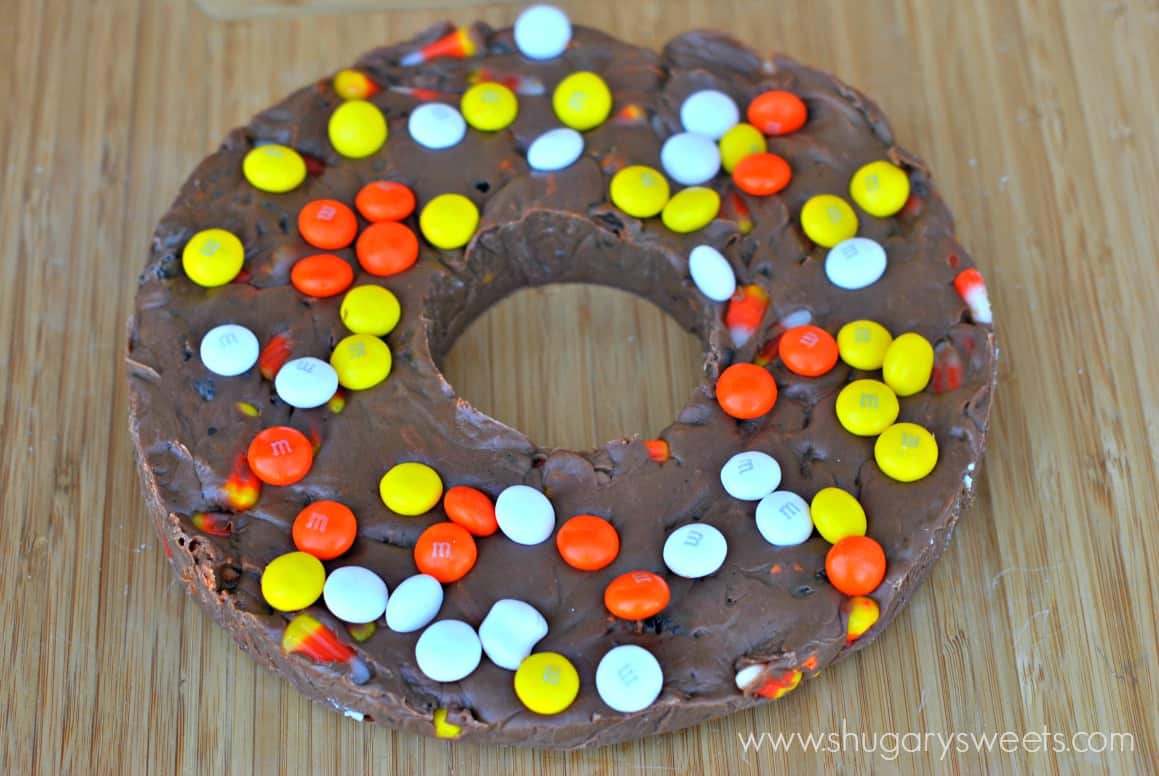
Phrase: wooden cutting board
(1041, 122)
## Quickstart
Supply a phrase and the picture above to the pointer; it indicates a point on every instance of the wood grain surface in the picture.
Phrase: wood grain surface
(1040, 121)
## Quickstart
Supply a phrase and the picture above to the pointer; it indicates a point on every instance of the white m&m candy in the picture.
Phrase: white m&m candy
(525, 516)
(542, 32)
(629, 678)
(415, 602)
(555, 149)
(695, 550)
(306, 382)
(690, 158)
(509, 632)
(750, 476)
(355, 594)
(449, 650)
(709, 112)
(711, 273)
(855, 263)
(229, 350)
(436, 126)
(783, 519)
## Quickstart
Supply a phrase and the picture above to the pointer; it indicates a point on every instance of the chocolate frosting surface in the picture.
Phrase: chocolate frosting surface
(540, 228)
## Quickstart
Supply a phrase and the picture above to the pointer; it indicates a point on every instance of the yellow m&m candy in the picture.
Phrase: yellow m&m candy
(293, 581)
(410, 488)
(370, 310)
(489, 106)
(836, 514)
(546, 682)
(862, 344)
(827, 220)
(274, 168)
(867, 407)
(357, 129)
(691, 209)
(906, 452)
(908, 364)
(582, 101)
(213, 257)
(361, 360)
(880, 188)
(639, 191)
(448, 221)
(741, 141)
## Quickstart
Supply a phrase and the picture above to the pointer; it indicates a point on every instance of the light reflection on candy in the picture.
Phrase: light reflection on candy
(306, 636)
(861, 613)
(213, 523)
(457, 44)
(745, 312)
(242, 488)
(972, 289)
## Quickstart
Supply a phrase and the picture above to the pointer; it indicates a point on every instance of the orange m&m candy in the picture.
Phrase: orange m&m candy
(636, 595)
(387, 248)
(385, 201)
(325, 529)
(777, 113)
(809, 351)
(746, 391)
(762, 174)
(587, 542)
(327, 224)
(855, 565)
(446, 552)
(472, 509)
(280, 455)
(322, 275)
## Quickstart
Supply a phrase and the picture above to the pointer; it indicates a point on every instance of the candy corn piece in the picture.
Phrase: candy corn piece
(657, 450)
(745, 312)
(781, 685)
(314, 434)
(861, 613)
(972, 289)
(768, 352)
(361, 633)
(354, 85)
(274, 355)
(247, 409)
(947, 374)
(420, 94)
(308, 637)
(444, 729)
(735, 209)
(458, 44)
(630, 114)
(243, 488)
(213, 523)
(520, 84)
(337, 402)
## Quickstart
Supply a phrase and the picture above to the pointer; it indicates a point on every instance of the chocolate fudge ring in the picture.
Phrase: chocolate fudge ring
(742, 625)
